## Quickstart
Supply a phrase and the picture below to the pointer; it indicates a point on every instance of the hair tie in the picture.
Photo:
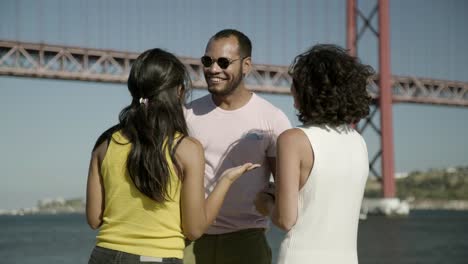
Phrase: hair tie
(144, 101)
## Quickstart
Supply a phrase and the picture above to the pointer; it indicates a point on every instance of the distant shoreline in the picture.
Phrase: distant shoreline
(432, 204)
(421, 204)
(435, 189)
(51, 207)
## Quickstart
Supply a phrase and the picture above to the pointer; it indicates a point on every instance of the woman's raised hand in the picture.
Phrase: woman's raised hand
(234, 173)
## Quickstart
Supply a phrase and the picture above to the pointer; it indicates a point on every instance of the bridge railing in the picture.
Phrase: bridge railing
(74, 63)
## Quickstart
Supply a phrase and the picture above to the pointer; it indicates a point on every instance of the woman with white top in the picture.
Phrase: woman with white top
(322, 166)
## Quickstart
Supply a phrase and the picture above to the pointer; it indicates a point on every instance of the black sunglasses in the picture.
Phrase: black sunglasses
(222, 62)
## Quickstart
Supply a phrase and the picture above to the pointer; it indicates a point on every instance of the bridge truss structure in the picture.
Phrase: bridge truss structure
(98, 65)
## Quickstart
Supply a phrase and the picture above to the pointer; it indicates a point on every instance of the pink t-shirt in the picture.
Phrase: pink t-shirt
(231, 138)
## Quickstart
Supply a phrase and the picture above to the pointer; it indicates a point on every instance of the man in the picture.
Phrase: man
(234, 126)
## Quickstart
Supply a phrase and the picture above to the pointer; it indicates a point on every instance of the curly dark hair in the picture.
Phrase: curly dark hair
(330, 86)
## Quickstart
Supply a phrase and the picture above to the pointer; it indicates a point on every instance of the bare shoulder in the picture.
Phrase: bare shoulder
(190, 143)
(293, 137)
(100, 151)
(189, 148)
(190, 156)
(294, 145)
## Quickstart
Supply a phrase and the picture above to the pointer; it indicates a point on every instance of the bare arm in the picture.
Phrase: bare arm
(281, 123)
(294, 162)
(197, 213)
(95, 188)
(287, 181)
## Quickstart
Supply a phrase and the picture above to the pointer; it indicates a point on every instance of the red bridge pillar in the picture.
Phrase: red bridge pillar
(385, 86)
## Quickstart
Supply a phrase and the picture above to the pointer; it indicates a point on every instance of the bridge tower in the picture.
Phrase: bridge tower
(384, 98)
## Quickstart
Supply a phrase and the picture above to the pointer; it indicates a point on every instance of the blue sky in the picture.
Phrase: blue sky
(49, 126)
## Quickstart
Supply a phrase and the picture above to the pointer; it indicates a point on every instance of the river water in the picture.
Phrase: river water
(427, 237)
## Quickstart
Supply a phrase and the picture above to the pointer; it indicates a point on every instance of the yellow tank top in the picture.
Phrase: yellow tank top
(132, 222)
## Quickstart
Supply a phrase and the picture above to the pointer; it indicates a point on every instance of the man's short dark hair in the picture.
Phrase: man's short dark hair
(245, 46)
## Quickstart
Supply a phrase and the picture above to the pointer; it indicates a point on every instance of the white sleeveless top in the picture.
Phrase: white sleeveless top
(330, 200)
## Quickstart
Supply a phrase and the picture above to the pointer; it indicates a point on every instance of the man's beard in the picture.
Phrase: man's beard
(230, 86)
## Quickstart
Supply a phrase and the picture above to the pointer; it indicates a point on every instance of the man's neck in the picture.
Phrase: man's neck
(237, 99)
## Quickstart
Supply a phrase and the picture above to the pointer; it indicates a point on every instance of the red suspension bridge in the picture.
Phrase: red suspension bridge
(101, 65)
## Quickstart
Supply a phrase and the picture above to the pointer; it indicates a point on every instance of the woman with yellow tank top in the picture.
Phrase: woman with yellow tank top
(145, 184)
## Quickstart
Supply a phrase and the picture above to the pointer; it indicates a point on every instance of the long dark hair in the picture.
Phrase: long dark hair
(331, 86)
(157, 83)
